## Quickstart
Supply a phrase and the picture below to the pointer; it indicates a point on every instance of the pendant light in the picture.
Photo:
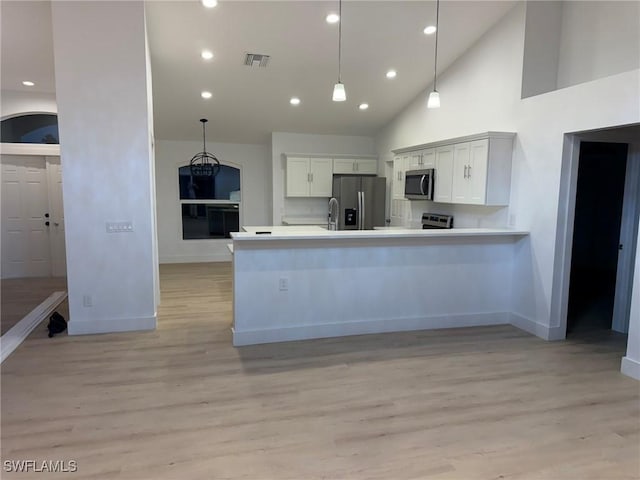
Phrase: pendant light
(204, 164)
(434, 96)
(339, 93)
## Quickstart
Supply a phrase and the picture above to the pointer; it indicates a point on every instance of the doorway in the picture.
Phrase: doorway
(32, 217)
(596, 236)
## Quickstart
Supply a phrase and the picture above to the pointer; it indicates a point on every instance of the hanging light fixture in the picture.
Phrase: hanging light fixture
(339, 93)
(434, 96)
(204, 164)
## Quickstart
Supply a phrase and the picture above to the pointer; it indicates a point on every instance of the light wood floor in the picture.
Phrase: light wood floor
(182, 403)
(18, 296)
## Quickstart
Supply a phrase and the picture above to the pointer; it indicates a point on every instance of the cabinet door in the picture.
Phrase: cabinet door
(415, 161)
(398, 211)
(444, 174)
(429, 158)
(321, 170)
(344, 165)
(297, 177)
(460, 184)
(398, 178)
(477, 173)
(367, 166)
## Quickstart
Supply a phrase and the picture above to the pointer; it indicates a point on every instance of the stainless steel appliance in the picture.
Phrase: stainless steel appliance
(361, 200)
(435, 220)
(418, 184)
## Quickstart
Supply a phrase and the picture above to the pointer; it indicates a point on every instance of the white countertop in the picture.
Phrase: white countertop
(318, 233)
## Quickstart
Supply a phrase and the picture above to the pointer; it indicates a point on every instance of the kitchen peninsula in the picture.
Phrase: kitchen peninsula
(301, 283)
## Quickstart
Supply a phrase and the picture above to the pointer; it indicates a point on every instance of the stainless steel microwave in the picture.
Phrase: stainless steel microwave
(418, 184)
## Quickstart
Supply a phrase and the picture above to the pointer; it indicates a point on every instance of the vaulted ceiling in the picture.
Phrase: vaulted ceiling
(249, 103)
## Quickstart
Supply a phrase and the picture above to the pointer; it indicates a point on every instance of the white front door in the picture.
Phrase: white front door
(25, 238)
(56, 218)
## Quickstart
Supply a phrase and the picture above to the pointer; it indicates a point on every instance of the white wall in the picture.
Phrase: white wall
(305, 143)
(598, 39)
(13, 103)
(631, 361)
(254, 162)
(480, 92)
(107, 162)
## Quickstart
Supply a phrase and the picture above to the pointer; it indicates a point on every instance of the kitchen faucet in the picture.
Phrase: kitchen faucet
(332, 223)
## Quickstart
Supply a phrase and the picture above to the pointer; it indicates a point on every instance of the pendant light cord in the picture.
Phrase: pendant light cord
(339, 41)
(435, 61)
(204, 140)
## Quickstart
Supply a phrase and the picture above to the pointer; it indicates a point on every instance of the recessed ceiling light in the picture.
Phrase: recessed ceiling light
(363, 106)
(206, 94)
(294, 101)
(209, 3)
(27, 83)
(391, 74)
(333, 18)
(207, 54)
(430, 30)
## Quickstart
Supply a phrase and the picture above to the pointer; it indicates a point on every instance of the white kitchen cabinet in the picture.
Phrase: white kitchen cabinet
(460, 184)
(357, 166)
(482, 172)
(399, 168)
(422, 159)
(444, 174)
(399, 211)
(309, 177)
(473, 170)
(428, 158)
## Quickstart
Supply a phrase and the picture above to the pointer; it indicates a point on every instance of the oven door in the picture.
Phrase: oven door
(418, 184)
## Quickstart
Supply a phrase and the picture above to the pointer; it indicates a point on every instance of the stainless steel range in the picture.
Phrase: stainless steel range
(436, 220)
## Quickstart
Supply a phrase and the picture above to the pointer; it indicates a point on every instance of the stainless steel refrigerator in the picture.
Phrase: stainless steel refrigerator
(361, 201)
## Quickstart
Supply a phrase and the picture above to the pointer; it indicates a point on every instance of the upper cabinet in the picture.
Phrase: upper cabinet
(355, 166)
(473, 170)
(309, 177)
(422, 159)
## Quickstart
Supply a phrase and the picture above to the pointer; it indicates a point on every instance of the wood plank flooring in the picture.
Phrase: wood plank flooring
(18, 296)
(182, 403)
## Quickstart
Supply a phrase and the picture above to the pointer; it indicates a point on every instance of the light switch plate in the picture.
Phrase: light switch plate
(119, 227)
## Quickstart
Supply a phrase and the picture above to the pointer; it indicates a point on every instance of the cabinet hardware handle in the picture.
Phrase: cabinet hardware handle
(465, 172)
(469, 171)
(312, 177)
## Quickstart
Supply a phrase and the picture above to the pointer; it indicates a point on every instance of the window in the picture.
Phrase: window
(210, 206)
(34, 128)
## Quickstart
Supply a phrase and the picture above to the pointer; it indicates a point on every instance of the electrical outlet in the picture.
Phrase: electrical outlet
(283, 284)
(87, 301)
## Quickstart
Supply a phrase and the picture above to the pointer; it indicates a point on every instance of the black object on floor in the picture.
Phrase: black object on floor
(57, 324)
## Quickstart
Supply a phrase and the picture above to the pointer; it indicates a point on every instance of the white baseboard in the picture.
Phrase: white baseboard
(305, 332)
(538, 329)
(213, 257)
(21, 330)
(88, 327)
(630, 367)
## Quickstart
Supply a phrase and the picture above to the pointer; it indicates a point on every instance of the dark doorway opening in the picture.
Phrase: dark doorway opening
(596, 235)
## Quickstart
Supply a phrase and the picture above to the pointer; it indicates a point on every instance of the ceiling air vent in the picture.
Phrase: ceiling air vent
(256, 60)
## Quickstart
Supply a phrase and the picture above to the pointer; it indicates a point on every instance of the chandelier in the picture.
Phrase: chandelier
(204, 164)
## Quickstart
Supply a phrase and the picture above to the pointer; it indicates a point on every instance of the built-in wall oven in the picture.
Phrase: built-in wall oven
(418, 184)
